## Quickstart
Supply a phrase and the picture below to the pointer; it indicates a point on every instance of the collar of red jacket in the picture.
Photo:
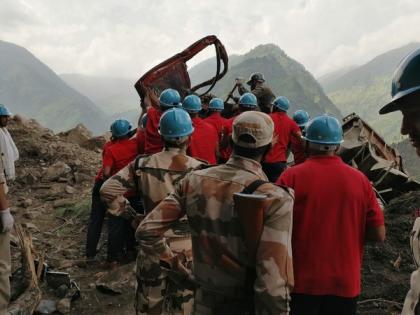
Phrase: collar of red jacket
(325, 158)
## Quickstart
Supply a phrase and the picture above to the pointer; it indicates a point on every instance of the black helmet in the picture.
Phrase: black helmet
(257, 76)
(405, 83)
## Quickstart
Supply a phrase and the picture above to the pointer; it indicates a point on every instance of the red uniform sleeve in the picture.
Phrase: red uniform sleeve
(107, 159)
(374, 213)
(140, 137)
(296, 144)
(285, 179)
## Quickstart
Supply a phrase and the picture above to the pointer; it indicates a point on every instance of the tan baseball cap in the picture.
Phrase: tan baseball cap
(257, 125)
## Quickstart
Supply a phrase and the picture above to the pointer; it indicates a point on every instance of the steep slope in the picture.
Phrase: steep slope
(112, 95)
(30, 88)
(366, 88)
(286, 77)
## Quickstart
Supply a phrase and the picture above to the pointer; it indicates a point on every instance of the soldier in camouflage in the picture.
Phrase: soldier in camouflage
(154, 177)
(261, 90)
(220, 253)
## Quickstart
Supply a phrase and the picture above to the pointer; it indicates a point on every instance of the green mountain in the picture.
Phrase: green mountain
(285, 76)
(365, 89)
(29, 87)
(112, 95)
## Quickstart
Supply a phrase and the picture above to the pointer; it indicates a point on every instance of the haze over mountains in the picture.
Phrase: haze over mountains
(30, 88)
(285, 76)
(366, 88)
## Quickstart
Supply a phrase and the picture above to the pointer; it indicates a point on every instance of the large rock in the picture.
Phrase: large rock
(55, 171)
(78, 134)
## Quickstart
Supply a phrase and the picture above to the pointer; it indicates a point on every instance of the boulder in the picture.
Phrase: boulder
(55, 171)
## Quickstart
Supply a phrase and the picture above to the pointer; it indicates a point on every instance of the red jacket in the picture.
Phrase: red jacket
(286, 133)
(153, 141)
(99, 176)
(334, 203)
(119, 154)
(204, 141)
(140, 137)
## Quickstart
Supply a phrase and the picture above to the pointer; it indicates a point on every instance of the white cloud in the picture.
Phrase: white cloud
(125, 38)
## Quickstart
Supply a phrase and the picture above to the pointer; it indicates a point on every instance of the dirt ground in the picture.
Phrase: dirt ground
(53, 202)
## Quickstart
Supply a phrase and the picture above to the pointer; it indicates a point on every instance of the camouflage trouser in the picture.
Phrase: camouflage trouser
(155, 292)
(216, 303)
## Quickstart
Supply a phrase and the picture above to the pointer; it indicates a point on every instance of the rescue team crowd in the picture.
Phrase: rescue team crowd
(180, 199)
(222, 224)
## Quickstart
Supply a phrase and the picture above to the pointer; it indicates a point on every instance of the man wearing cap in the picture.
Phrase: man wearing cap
(335, 212)
(153, 177)
(204, 142)
(405, 93)
(6, 219)
(261, 90)
(220, 255)
(169, 98)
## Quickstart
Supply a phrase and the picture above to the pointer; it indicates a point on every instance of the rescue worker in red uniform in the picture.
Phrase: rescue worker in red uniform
(121, 240)
(334, 213)
(169, 98)
(301, 117)
(286, 135)
(215, 118)
(97, 212)
(204, 142)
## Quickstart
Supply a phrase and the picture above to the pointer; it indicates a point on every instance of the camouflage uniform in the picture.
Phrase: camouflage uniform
(264, 94)
(220, 256)
(154, 177)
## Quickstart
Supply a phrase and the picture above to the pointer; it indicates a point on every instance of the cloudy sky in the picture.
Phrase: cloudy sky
(123, 38)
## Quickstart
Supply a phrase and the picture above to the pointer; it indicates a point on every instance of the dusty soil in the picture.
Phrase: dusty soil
(55, 208)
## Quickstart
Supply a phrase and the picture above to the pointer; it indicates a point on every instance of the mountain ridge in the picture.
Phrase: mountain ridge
(283, 74)
(29, 87)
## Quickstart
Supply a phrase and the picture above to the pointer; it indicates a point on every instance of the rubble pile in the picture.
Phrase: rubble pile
(51, 199)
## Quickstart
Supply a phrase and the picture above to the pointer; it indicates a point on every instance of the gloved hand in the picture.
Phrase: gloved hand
(6, 220)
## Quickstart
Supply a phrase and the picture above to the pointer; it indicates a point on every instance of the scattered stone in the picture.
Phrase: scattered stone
(46, 307)
(56, 171)
(31, 226)
(63, 203)
(28, 215)
(29, 179)
(70, 189)
(80, 177)
(64, 306)
(25, 203)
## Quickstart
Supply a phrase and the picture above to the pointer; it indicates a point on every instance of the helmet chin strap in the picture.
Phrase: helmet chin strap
(323, 147)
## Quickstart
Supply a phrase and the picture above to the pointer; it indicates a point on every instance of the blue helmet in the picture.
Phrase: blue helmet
(120, 128)
(324, 130)
(248, 100)
(192, 104)
(405, 88)
(143, 121)
(301, 117)
(281, 103)
(4, 111)
(169, 98)
(175, 123)
(216, 104)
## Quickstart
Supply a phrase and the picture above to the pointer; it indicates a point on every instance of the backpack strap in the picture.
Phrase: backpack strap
(251, 188)
(137, 166)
